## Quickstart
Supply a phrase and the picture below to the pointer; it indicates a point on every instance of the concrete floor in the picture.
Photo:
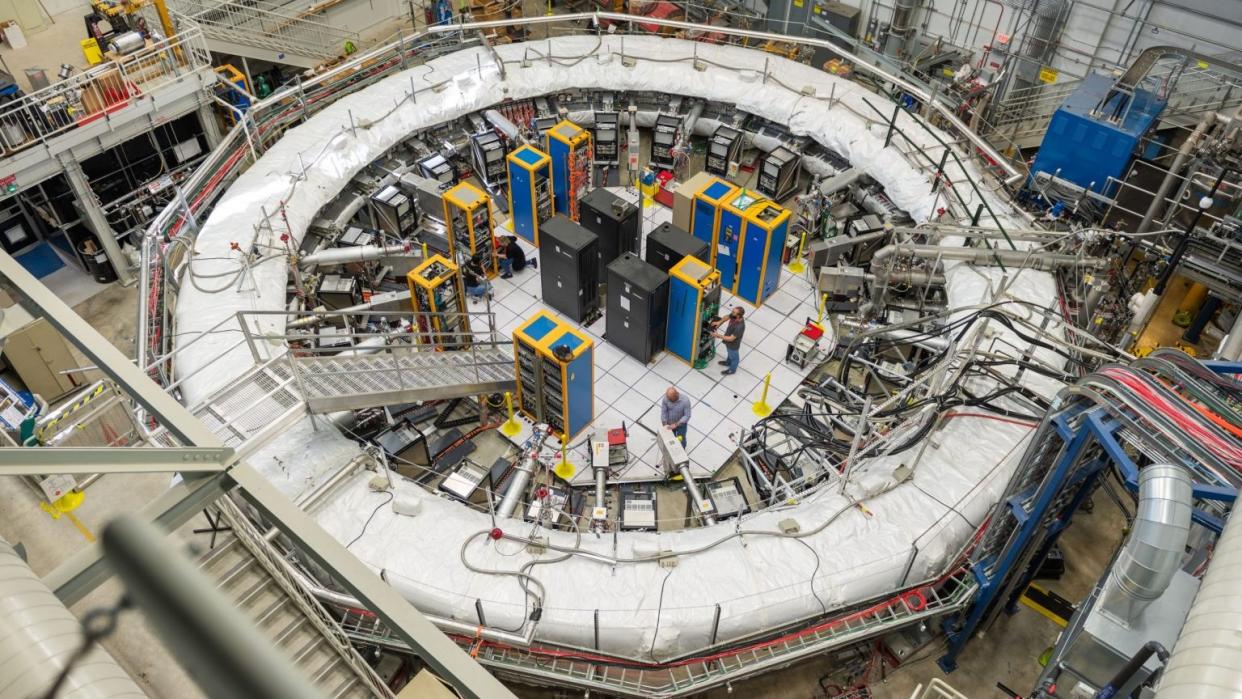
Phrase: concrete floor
(57, 43)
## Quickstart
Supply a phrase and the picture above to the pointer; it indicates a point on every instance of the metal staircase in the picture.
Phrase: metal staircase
(250, 573)
(402, 375)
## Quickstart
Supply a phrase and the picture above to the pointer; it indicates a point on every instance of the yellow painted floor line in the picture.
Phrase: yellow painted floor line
(82, 529)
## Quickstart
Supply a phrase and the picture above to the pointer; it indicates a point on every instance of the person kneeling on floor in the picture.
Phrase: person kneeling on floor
(513, 258)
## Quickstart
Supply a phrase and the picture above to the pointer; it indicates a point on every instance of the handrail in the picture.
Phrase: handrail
(944, 110)
(99, 92)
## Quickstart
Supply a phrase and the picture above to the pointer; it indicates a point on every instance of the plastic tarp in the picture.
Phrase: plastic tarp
(438, 558)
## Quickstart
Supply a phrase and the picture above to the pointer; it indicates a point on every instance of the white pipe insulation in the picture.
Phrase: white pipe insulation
(38, 636)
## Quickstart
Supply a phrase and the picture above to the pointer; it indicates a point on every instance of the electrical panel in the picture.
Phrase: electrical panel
(569, 268)
(667, 245)
(439, 168)
(693, 303)
(778, 173)
(637, 313)
(569, 147)
(336, 291)
(663, 139)
(406, 449)
(727, 498)
(530, 191)
(723, 148)
(394, 212)
(468, 217)
(439, 302)
(752, 239)
(614, 221)
(487, 154)
(607, 138)
(527, 341)
(464, 481)
(638, 507)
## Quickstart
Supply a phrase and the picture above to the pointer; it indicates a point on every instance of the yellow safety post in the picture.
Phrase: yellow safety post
(796, 265)
(511, 426)
(425, 251)
(823, 303)
(564, 469)
(761, 408)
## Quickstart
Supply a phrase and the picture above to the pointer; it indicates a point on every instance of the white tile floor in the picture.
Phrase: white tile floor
(628, 391)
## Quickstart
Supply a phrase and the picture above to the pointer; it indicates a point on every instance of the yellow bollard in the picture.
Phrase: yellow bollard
(761, 408)
(511, 426)
(796, 265)
(823, 303)
(565, 470)
(425, 255)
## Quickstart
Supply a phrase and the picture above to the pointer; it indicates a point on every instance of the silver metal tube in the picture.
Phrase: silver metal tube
(701, 504)
(502, 124)
(945, 111)
(984, 257)
(521, 478)
(360, 253)
(38, 634)
(1154, 551)
(1230, 348)
(687, 125)
(1166, 184)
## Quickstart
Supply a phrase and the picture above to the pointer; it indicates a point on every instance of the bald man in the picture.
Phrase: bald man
(675, 413)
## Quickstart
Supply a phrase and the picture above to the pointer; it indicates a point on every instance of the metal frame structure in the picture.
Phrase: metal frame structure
(86, 570)
(1068, 453)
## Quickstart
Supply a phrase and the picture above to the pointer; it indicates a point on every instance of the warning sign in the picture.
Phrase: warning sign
(1047, 75)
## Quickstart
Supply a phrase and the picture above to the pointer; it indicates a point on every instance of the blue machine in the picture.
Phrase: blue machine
(766, 225)
(555, 373)
(693, 302)
(530, 191)
(442, 12)
(705, 216)
(1084, 146)
(569, 378)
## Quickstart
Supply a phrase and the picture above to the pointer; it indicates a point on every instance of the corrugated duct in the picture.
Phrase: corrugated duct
(38, 635)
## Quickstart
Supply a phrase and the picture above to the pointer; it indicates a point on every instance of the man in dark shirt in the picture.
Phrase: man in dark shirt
(474, 279)
(512, 258)
(731, 336)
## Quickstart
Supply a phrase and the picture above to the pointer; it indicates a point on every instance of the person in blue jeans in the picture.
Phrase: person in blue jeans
(731, 336)
(512, 258)
(475, 281)
(675, 413)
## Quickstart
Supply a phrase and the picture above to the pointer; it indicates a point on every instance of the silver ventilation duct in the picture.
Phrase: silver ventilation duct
(38, 635)
(1040, 38)
(1154, 551)
(1207, 658)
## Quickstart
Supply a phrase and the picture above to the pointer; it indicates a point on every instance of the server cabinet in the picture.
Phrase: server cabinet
(569, 147)
(614, 221)
(723, 148)
(663, 138)
(530, 191)
(667, 245)
(528, 338)
(568, 380)
(778, 173)
(468, 218)
(708, 203)
(637, 315)
(394, 212)
(439, 302)
(765, 224)
(693, 302)
(569, 268)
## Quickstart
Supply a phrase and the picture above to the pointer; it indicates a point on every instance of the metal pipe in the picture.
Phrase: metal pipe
(503, 125)
(360, 253)
(985, 256)
(687, 126)
(522, 474)
(1179, 161)
(1133, 665)
(701, 504)
(1230, 348)
(38, 634)
(1154, 551)
(946, 112)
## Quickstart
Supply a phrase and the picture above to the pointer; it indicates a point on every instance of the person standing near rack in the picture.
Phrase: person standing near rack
(675, 413)
(731, 336)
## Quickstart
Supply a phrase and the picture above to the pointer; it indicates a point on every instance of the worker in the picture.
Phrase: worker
(475, 280)
(731, 336)
(513, 258)
(675, 413)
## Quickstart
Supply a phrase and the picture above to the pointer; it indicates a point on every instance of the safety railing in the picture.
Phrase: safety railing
(266, 24)
(100, 92)
(275, 565)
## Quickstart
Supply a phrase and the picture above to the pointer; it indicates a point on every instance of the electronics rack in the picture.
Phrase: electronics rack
(663, 138)
(436, 290)
(607, 138)
(468, 215)
(694, 301)
(530, 191)
(778, 173)
(487, 153)
(723, 148)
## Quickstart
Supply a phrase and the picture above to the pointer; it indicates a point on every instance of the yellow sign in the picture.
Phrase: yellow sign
(947, 72)
(1047, 75)
(799, 3)
(1202, 64)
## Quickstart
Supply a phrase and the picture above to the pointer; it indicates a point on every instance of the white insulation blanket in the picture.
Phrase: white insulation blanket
(759, 580)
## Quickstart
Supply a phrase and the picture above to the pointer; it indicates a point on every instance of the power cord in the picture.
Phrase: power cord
(659, 612)
(391, 495)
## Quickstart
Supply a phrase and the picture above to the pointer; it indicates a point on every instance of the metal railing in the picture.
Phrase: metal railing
(265, 24)
(100, 92)
(276, 566)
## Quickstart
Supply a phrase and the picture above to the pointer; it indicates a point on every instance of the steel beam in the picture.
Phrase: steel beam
(432, 646)
(34, 461)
